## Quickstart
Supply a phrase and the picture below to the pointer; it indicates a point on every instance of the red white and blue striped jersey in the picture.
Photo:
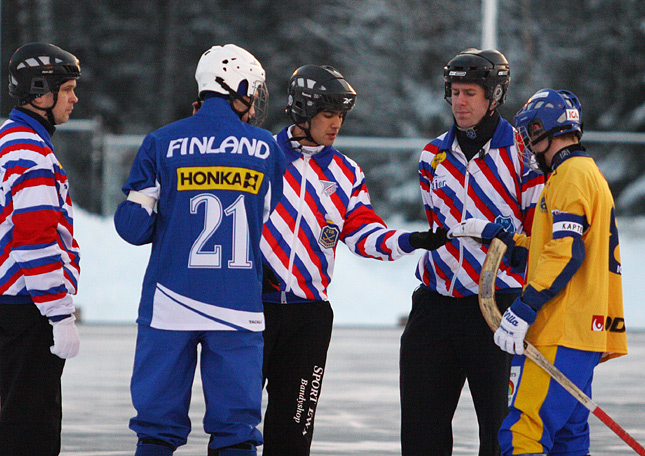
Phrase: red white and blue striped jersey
(495, 185)
(39, 260)
(325, 200)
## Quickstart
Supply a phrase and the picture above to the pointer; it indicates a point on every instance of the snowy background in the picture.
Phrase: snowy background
(364, 292)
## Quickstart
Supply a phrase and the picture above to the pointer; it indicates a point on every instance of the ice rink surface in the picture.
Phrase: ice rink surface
(359, 407)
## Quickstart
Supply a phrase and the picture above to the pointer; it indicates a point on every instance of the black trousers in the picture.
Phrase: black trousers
(446, 341)
(296, 340)
(30, 384)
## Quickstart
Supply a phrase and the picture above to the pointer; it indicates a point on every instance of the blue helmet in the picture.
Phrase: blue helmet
(549, 113)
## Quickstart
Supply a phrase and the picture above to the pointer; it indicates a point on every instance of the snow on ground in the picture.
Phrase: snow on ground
(363, 291)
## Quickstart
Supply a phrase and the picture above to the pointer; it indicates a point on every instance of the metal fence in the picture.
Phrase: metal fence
(98, 164)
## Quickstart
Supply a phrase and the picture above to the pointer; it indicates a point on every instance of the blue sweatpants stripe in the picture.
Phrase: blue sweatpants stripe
(543, 416)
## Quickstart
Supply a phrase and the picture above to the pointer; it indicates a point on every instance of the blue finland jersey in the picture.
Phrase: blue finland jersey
(215, 180)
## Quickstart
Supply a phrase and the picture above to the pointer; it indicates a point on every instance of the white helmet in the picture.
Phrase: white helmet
(225, 69)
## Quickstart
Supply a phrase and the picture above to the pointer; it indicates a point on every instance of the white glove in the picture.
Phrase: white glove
(471, 227)
(66, 339)
(511, 332)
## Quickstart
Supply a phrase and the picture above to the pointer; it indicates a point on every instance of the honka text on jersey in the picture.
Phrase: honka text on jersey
(206, 145)
(219, 178)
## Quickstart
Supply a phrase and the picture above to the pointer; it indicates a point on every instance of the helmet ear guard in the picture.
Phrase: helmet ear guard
(39, 86)
(498, 93)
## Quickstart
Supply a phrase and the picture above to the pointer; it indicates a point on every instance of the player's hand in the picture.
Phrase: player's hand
(66, 339)
(429, 240)
(270, 282)
(511, 332)
(482, 231)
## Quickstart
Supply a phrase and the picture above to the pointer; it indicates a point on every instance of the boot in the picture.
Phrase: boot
(241, 449)
(153, 447)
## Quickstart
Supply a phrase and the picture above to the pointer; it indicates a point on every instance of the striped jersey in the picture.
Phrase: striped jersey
(39, 259)
(325, 201)
(495, 185)
(574, 271)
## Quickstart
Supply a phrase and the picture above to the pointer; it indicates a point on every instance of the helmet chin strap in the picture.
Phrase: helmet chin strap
(243, 112)
(233, 95)
(541, 162)
(307, 131)
(540, 157)
(49, 112)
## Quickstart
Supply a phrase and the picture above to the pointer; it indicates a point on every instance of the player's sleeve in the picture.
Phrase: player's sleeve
(563, 255)
(426, 174)
(517, 249)
(277, 169)
(365, 233)
(531, 186)
(135, 217)
(35, 239)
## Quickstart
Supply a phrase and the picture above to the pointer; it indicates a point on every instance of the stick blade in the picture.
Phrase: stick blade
(487, 278)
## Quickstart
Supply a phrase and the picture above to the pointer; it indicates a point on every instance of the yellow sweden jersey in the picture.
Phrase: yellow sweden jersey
(586, 313)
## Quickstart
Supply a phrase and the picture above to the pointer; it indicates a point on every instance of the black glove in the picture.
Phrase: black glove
(270, 282)
(429, 240)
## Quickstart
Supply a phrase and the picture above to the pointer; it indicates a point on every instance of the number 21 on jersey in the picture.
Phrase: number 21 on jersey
(214, 213)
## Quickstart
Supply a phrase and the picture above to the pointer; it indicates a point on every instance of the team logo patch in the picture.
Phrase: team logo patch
(441, 156)
(506, 222)
(611, 324)
(329, 236)
(219, 178)
(573, 114)
(542, 205)
(328, 187)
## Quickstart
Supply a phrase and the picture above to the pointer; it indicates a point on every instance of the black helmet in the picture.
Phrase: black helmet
(314, 88)
(39, 68)
(488, 69)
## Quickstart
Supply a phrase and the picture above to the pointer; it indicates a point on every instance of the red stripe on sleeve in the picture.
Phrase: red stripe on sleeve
(36, 227)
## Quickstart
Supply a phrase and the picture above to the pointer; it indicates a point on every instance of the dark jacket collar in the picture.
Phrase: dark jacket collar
(472, 140)
(44, 122)
(34, 121)
(574, 150)
(503, 136)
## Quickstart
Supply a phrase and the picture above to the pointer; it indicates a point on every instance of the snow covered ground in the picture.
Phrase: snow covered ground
(358, 414)
(363, 291)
